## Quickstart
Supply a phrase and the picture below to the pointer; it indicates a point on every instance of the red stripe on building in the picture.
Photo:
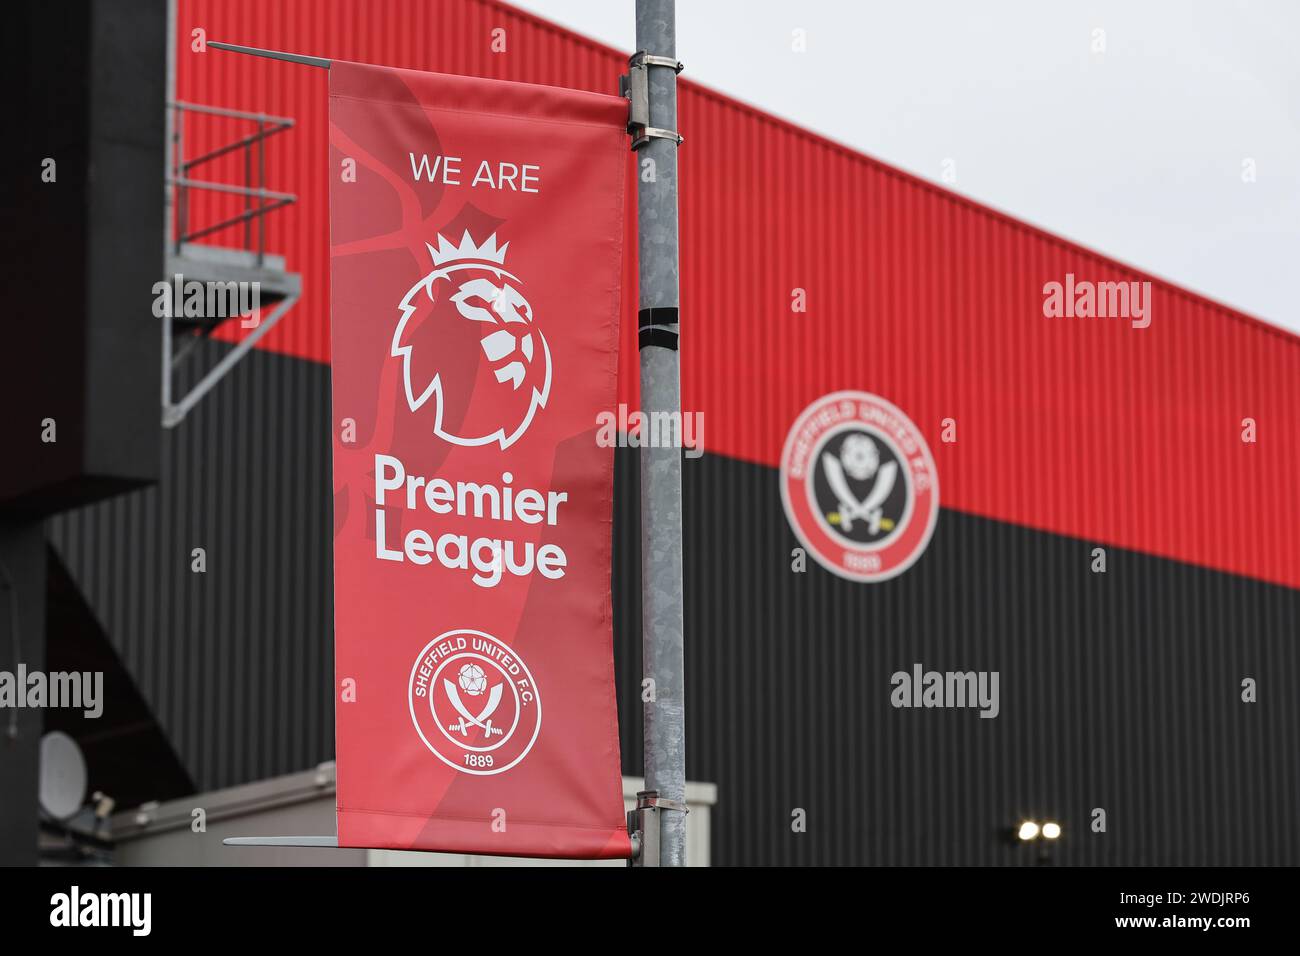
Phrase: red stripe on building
(1083, 427)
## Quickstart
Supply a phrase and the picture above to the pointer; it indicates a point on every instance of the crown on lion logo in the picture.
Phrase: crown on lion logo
(468, 250)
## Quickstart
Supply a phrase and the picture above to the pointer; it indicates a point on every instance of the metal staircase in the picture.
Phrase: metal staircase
(243, 264)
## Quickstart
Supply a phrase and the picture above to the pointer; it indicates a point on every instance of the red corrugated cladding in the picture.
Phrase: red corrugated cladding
(1088, 428)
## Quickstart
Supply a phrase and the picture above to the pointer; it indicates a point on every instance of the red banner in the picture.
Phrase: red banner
(476, 251)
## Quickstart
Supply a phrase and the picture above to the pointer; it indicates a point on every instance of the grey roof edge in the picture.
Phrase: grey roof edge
(286, 790)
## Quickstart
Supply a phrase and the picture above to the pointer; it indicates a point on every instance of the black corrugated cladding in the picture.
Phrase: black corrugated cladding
(1119, 691)
(236, 661)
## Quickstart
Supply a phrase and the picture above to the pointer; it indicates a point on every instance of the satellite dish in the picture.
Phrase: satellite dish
(63, 776)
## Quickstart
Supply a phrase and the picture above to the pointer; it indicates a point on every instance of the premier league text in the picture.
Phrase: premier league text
(488, 558)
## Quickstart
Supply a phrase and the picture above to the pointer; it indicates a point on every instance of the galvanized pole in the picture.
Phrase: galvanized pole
(661, 467)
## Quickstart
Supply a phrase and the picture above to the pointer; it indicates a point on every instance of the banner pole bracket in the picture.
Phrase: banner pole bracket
(643, 826)
(317, 61)
(635, 86)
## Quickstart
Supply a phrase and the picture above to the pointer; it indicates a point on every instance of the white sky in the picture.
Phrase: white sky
(1137, 152)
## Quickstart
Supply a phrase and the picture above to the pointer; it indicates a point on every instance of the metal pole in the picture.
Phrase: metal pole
(661, 474)
(261, 184)
(171, 170)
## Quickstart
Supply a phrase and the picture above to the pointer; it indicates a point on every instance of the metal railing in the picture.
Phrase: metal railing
(284, 288)
(253, 145)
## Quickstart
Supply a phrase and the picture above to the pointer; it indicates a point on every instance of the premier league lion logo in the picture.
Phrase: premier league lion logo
(492, 367)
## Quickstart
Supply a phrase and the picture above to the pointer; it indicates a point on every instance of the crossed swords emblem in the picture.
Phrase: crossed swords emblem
(467, 720)
(868, 509)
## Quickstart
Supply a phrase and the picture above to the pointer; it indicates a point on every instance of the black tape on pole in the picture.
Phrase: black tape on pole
(657, 328)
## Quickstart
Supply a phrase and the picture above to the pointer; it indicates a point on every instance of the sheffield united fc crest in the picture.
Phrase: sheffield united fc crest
(474, 702)
(859, 486)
